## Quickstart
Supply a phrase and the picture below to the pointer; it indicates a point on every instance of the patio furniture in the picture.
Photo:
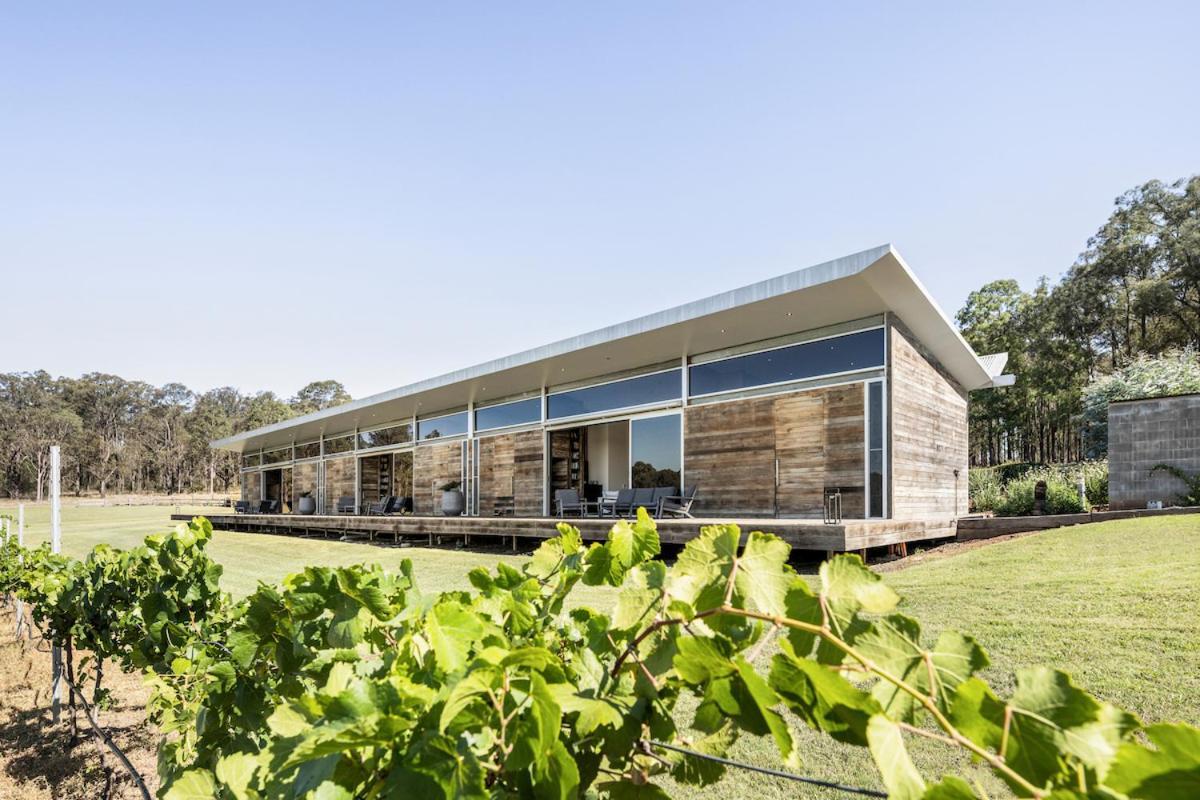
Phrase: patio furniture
(345, 504)
(401, 505)
(241, 507)
(268, 507)
(678, 505)
(504, 506)
(642, 498)
(617, 504)
(661, 493)
(382, 507)
(566, 501)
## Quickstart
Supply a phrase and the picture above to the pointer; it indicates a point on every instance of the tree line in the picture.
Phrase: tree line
(1132, 298)
(1133, 295)
(119, 435)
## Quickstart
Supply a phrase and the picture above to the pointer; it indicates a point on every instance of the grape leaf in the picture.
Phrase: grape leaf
(452, 631)
(822, 698)
(894, 645)
(763, 577)
(628, 545)
(901, 778)
(194, 784)
(1168, 771)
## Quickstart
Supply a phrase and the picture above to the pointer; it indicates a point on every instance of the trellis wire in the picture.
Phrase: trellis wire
(791, 776)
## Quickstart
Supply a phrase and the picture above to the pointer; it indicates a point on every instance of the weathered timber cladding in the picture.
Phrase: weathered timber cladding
(304, 479)
(339, 481)
(1144, 433)
(819, 443)
(252, 486)
(511, 464)
(368, 479)
(729, 452)
(817, 436)
(434, 465)
(402, 475)
(928, 416)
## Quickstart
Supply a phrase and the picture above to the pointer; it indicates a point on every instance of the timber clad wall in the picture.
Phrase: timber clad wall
(339, 481)
(304, 479)
(928, 422)
(434, 466)
(511, 465)
(252, 486)
(1143, 433)
(402, 475)
(817, 437)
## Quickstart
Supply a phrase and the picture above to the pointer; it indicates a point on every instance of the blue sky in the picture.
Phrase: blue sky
(264, 194)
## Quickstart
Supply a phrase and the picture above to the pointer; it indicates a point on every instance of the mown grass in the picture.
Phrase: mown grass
(1113, 603)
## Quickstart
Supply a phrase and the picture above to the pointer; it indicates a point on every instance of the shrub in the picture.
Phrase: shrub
(1062, 493)
(984, 490)
(1095, 481)
(1014, 470)
(1018, 498)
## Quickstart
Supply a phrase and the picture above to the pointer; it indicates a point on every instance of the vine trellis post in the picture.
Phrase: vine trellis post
(56, 665)
(20, 604)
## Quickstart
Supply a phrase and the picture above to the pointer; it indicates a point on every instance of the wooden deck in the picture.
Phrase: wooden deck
(849, 535)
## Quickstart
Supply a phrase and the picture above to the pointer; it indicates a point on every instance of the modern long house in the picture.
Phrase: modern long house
(842, 379)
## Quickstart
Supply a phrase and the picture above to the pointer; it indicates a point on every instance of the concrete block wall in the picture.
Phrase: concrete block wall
(1142, 433)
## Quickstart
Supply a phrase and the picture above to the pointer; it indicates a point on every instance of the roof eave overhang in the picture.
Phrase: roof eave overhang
(868, 283)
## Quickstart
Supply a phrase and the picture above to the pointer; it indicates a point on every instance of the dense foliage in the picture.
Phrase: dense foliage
(1009, 489)
(120, 435)
(1175, 372)
(352, 682)
(1133, 293)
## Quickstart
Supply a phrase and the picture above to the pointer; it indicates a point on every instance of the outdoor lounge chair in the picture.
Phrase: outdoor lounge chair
(400, 505)
(642, 498)
(268, 507)
(622, 506)
(345, 504)
(678, 505)
(384, 506)
(241, 507)
(661, 493)
(566, 501)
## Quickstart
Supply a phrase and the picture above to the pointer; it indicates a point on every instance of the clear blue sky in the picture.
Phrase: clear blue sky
(260, 195)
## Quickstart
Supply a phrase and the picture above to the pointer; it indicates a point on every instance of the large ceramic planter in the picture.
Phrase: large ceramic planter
(453, 503)
(307, 505)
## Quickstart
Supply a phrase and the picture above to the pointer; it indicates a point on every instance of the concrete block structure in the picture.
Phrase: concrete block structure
(1146, 432)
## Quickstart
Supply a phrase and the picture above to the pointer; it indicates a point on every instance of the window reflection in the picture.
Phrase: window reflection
(655, 452)
(642, 390)
(853, 351)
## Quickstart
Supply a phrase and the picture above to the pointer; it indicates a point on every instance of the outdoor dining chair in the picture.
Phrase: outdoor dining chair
(566, 501)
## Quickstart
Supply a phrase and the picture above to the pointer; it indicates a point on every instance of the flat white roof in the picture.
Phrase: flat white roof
(853, 287)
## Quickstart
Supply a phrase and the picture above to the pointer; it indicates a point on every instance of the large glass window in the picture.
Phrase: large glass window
(251, 460)
(308, 450)
(277, 456)
(439, 427)
(875, 449)
(397, 434)
(853, 351)
(339, 444)
(503, 415)
(642, 390)
(655, 452)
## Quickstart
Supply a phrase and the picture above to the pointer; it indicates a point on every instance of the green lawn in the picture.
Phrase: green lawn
(1114, 603)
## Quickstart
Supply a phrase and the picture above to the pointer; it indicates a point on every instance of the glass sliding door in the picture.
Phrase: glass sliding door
(656, 451)
(875, 454)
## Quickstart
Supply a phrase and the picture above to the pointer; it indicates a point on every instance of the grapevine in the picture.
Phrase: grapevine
(353, 682)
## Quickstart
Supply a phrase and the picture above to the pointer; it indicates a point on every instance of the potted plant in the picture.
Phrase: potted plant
(307, 504)
(453, 502)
